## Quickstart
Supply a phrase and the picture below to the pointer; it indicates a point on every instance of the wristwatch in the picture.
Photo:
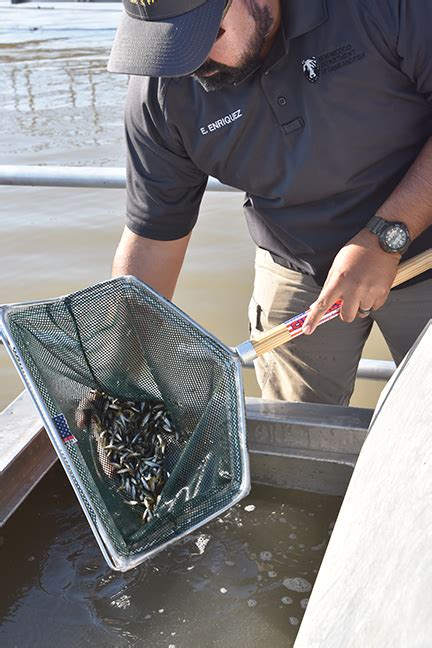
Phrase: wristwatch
(393, 236)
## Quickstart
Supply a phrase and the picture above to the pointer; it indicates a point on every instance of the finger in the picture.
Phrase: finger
(350, 309)
(363, 311)
(380, 300)
(326, 299)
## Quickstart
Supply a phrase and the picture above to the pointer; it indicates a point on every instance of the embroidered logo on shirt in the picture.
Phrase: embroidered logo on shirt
(339, 58)
(311, 69)
(220, 123)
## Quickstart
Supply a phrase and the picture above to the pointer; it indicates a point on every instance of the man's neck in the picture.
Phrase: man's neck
(276, 12)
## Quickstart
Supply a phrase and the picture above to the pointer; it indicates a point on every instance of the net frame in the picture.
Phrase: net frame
(116, 559)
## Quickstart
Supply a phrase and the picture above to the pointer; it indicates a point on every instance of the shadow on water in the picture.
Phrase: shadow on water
(243, 579)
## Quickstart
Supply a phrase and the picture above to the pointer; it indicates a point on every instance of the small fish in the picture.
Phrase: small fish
(152, 464)
(123, 471)
(132, 446)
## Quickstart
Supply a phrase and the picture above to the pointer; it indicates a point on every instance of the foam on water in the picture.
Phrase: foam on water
(297, 584)
(236, 593)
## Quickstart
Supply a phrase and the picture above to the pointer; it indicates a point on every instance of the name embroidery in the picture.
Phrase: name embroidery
(220, 123)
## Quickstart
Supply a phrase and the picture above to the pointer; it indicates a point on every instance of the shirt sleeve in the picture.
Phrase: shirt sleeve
(415, 43)
(407, 26)
(164, 187)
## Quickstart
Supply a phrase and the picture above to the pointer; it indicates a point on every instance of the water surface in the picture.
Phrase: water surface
(244, 579)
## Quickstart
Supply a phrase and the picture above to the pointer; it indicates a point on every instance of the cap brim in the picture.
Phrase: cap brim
(168, 48)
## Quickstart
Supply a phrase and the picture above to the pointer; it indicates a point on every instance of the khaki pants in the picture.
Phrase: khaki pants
(321, 368)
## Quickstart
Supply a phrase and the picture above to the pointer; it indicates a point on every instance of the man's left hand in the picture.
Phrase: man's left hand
(361, 276)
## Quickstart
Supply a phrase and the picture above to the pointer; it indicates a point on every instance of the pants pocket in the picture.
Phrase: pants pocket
(263, 364)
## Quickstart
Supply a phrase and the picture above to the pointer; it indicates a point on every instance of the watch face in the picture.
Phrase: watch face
(395, 237)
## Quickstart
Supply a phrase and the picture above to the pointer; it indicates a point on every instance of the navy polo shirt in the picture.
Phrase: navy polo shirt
(318, 137)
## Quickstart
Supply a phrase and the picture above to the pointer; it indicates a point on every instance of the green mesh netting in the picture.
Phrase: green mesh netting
(122, 338)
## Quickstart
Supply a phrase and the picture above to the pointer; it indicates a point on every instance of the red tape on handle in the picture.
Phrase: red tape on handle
(295, 324)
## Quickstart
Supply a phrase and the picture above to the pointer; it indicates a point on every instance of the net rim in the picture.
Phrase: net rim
(115, 558)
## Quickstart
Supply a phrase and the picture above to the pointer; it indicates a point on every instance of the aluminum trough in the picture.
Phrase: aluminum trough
(291, 445)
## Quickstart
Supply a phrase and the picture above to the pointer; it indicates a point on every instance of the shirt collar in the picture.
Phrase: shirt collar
(298, 18)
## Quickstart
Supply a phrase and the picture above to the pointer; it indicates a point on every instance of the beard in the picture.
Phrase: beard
(223, 76)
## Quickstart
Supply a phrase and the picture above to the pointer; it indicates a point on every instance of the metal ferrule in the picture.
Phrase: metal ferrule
(246, 352)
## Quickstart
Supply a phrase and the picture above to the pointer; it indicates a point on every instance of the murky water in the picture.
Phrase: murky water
(243, 580)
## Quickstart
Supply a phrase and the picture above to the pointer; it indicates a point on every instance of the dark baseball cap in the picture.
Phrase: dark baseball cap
(165, 38)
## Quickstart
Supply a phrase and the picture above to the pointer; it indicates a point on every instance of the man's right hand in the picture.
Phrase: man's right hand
(361, 276)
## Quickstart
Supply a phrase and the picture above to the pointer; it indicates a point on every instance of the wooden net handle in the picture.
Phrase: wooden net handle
(292, 328)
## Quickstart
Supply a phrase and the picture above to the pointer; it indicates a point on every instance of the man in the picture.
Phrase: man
(321, 111)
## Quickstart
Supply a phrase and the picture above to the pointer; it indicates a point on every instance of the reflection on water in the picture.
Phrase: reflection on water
(242, 580)
(70, 103)
(59, 106)
(57, 96)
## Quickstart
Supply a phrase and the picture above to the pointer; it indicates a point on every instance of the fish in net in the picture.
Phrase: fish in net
(131, 440)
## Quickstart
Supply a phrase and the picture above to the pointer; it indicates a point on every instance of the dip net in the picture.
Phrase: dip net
(144, 408)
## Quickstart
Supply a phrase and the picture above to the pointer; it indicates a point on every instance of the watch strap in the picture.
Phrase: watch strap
(377, 224)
